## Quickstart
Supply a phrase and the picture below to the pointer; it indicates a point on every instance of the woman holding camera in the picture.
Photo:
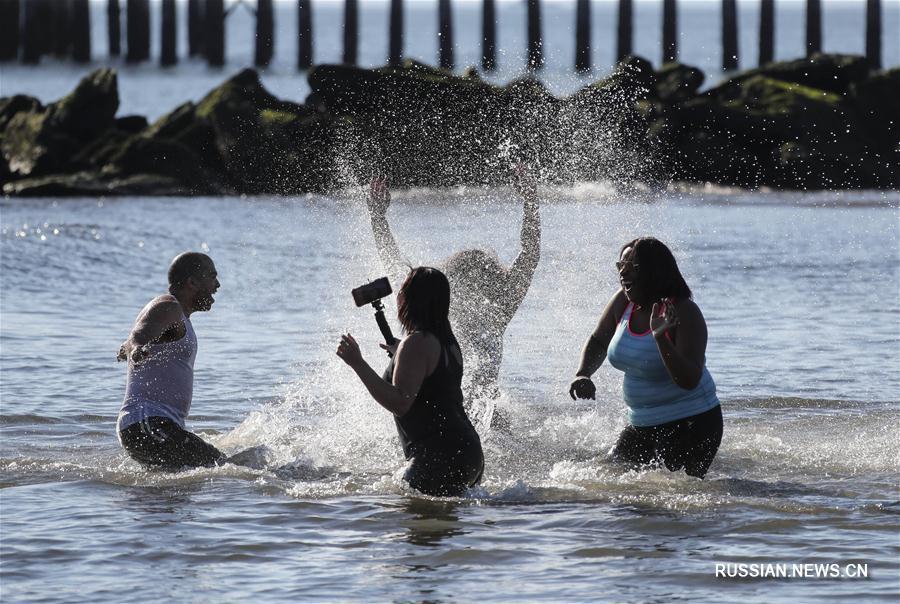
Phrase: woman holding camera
(653, 332)
(422, 388)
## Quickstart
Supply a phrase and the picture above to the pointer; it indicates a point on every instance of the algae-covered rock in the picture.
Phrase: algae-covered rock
(41, 140)
(244, 87)
(390, 91)
(677, 82)
(145, 155)
(829, 72)
(31, 145)
(89, 109)
(10, 106)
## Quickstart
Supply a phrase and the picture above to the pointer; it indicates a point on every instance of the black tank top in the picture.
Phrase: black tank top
(437, 416)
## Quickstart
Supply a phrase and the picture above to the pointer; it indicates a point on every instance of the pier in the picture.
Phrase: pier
(32, 29)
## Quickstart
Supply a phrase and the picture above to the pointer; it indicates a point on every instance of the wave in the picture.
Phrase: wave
(795, 455)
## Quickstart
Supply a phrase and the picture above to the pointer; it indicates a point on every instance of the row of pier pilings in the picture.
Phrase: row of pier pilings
(30, 29)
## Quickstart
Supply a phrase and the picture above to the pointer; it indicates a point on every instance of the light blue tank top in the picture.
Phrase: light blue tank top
(653, 398)
(162, 385)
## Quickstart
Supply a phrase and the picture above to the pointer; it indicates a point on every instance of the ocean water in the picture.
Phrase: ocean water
(149, 90)
(799, 292)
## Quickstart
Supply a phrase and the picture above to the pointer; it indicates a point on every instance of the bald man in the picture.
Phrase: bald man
(160, 352)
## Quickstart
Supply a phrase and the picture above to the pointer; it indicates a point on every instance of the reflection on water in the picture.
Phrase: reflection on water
(429, 522)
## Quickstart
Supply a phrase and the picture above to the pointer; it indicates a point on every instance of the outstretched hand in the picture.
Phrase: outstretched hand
(663, 317)
(582, 387)
(379, 198)
(349, 351)
(523, 182)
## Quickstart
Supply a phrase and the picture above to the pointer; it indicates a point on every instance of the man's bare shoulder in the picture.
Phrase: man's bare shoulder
(164, 308)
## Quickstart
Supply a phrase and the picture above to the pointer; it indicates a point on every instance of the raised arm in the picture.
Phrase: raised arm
(522, 270)
(417, 357)
(685, 356)
(378, 201)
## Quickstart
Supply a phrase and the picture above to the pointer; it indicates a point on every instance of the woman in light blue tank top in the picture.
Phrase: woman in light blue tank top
(653, 332)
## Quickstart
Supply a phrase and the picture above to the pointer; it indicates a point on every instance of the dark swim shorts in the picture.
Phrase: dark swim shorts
(690, 443)
(159, 442)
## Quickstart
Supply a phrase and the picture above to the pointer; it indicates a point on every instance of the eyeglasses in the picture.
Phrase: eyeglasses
(623, 264)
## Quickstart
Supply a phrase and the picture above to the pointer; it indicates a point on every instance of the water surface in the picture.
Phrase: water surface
(799, 291)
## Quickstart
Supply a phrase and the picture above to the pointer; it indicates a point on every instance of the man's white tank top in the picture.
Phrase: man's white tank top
(162, 384)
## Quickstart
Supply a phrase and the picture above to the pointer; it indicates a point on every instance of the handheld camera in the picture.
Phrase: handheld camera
(372, 293)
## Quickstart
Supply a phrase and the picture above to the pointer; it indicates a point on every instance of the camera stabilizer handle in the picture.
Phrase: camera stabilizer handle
(382, 323)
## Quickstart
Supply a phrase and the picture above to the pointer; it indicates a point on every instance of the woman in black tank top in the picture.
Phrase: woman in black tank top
(422, 388)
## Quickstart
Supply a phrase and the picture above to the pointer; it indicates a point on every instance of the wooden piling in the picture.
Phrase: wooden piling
(729, 35)
(81, 31)
(535, 44)
(114, 27)
(195, 28)
(351, 31)
(46, 26)
(137, 30)
(813, 27)
(625, 29)
(488, 35)
(62, 28)
(445, 34)
(31, 39)
(9, 30)
(583, 35)
(395, 43)
(214, 32)
(873, 33)
(766, 32)
(265, 33)
(169, 50)
(670, 31)
(304, 34)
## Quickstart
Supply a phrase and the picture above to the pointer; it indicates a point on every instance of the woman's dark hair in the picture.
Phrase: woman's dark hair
(423, 303)
(658, 270)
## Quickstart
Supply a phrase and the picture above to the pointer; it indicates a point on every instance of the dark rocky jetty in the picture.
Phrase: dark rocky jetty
(827, 122)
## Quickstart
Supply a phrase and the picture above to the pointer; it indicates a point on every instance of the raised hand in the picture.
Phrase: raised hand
(582, 387)
(349, 351)
(379, 198)
(663, 317)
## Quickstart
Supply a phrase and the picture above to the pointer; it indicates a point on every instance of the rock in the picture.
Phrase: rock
(245, 87)
(676, 82)
(130, 123)
(877, 102)
(101, 150)
(793, 135)
(10, 106)
(830, 72)
(31, 145)
(146, 155)
(90, 109)
(92, 184)
(42, 140)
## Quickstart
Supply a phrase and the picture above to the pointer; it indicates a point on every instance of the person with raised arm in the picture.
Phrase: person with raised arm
(422, 389)
(486, 294)
(653, 331)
